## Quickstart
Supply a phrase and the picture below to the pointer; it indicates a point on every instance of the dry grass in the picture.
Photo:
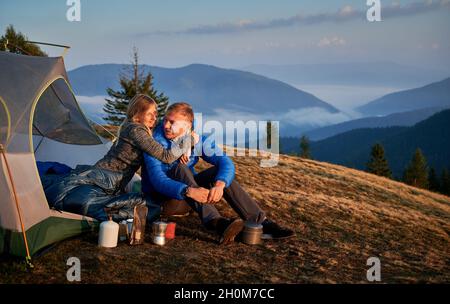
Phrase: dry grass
(341, 217)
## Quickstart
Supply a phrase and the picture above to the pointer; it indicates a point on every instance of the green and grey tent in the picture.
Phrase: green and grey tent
(40, 120)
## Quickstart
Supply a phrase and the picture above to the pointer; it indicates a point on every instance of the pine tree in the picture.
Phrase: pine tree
(272, 136)
(16, 42)
(305, 151)
(378, 164)
(445, 182)
(416, 174)
(269, 128)
(433, 180)
(132, 82)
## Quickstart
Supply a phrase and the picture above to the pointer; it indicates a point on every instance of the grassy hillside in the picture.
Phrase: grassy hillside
(341, 216)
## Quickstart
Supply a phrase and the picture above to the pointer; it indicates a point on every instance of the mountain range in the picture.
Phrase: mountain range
(408, 118)
(206, 87)
(403, 108)
(436, 94)
(352, 73)
(352, 149)
(219, 94)
(227, 94)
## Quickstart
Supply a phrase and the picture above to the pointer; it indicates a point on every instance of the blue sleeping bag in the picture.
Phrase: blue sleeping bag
(88, 191)
(52, 168)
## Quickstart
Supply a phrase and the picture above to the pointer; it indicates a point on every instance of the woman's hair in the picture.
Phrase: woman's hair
(138, 104)
(183, 108)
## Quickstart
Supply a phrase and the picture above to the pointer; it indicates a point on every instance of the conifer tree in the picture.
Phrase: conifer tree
(305, 150)
(416, 174)
(133, 82)
(445, 182)
(433, 180)
(378, 164)
(16, 42)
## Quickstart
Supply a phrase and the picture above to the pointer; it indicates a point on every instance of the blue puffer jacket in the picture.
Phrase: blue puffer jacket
(154, 173)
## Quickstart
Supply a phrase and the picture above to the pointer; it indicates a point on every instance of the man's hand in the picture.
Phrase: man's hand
(216, 192)
(198, 194)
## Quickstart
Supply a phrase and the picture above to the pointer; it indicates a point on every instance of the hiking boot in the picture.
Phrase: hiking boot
(272, 230)
(228, 229)
(175, 208)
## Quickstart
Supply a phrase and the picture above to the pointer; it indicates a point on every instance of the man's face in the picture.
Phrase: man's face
(168, 122)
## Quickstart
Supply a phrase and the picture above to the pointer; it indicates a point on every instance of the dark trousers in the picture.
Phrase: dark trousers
(246, 207)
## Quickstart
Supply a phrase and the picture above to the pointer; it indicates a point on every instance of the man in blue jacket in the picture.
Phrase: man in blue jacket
(178, 183)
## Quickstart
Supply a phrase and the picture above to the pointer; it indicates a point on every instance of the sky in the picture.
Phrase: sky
(236, 33)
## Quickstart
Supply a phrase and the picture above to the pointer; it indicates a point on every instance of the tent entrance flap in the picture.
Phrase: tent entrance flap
(58, 117)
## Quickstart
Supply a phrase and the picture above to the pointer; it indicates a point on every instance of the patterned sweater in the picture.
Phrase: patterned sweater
(126, 154)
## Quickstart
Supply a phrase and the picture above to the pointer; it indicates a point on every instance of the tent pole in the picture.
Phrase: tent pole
(64, 52)
(66, 47)
(28, 257)
(113, 136)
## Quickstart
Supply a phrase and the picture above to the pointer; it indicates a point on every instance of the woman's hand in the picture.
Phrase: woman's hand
(184, 159)
(195, 136)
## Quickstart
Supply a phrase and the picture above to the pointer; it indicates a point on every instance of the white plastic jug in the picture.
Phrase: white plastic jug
(108, 234)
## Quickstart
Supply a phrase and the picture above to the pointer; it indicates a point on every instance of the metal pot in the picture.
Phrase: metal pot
(252, 233)
(159, 232)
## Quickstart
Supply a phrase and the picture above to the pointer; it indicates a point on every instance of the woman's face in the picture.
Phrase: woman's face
(148, 117)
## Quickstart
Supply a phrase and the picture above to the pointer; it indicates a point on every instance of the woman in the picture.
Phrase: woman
(89, 190)
(135, 137)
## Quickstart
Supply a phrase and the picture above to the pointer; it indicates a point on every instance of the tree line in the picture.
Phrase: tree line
(417, 173)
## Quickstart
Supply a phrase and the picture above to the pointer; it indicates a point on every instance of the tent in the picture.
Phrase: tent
(40, 120)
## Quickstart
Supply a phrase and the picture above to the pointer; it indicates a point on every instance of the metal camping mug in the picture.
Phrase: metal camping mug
(252, 233)
(123, 230)
(159, 232)
(129, 227)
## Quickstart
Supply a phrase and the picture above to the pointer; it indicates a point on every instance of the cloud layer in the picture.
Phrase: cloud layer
(305, 118)
(346, 13)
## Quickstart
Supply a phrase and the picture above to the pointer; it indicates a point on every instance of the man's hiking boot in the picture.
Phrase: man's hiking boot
(175, 208)
(228, 229)
(272, 230)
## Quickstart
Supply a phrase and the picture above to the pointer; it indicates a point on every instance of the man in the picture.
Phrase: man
(178, 184)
